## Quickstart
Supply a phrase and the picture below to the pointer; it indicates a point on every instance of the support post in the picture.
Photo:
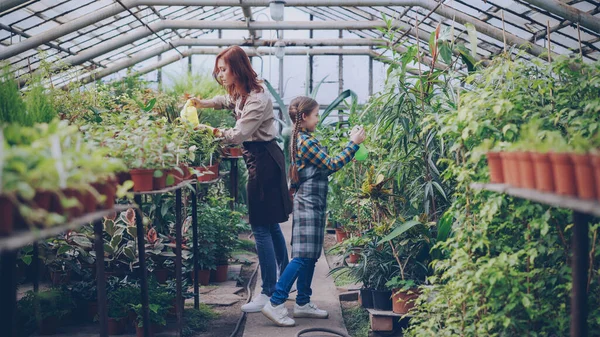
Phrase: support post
(100, 278)
(8, 292)
(371, 74)
(340, 76)
(139, 223)
(178, 262)
(35, 261)
(579, 270)
(310, 61)
(195, 244)
(159, 74)
(190, 62)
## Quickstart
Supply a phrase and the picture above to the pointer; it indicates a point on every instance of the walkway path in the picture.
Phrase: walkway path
(325, 296)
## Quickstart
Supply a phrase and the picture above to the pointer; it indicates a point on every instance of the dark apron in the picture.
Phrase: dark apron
(268, 197)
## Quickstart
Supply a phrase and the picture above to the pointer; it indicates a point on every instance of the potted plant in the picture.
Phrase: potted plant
(119, 300)
(157, 318)
(204, 154)
(54, 305)
(85, 297)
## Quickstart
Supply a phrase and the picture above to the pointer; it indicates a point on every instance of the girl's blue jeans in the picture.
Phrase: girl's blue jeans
(272, 253)
(299, 268)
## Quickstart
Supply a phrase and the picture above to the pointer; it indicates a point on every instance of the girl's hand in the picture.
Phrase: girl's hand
(358, 136)
(201, 103)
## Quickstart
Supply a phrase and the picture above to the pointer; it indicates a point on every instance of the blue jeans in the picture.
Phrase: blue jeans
(272, 252)
(299, 268)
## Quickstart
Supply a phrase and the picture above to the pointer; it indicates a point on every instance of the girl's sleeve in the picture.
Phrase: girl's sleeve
(312, 151)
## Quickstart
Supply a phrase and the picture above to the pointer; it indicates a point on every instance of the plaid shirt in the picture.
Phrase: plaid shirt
(310, 151)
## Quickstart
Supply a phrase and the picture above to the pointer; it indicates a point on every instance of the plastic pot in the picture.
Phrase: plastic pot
(526, 171)
(232, 152)
(74, 211)
(404, 301)
(544, 176)
(495, 166)
(221, 273)
(340, 235)
(366, 298)
(142, 179)
(43, 199)
(123, 177)
(116, 326)
(209, 173)
(510, 168)
(6, 216)
(203, 276)
(596, 167)
(109, 190)
(160, 182)
(353, 257)
(382, 300)
(89, 202)
(584, 176)
(564, 174)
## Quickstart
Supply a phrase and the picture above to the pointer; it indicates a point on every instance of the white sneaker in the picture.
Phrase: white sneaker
(309, 310)
(278, 315)
(257, 304)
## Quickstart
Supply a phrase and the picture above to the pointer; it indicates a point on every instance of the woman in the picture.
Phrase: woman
(268, 198)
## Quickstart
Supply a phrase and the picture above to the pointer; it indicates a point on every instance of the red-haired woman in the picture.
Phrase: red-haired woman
(269, 201)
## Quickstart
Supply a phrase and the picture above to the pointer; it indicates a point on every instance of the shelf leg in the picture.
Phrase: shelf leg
(178, 243)
(35, 261)
(579, 270)
(195, 246)
(100, 278)
(8, 292)
(139, 222)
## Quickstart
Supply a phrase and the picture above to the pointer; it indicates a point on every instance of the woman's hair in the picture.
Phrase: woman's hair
(299, 108)
(246, 79)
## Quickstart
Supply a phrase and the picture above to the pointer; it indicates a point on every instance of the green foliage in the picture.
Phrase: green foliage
(53, 303)
(197, 320)
(12, 107)
(119, 300)
(357, 321)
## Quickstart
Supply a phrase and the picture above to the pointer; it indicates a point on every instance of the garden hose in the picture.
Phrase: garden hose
(249, 292)
(302, 332)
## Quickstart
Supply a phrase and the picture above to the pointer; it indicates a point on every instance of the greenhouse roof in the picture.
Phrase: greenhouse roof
(103, 36)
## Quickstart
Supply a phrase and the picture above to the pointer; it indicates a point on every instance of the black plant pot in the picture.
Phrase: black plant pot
(366, 298)
(382, 300)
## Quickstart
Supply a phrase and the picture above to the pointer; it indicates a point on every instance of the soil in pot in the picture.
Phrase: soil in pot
(366, 298)
(564, 174)
(116, 326)
(584, 176)
(221, 273)
(526, 172)
(340, 235)
(495, 166)
(404, 301)
(544, 176)
(203, 277)
(160, 182)
(6, 216)
(142, 179)
(382, 300)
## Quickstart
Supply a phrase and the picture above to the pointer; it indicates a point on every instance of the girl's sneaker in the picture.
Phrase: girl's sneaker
(278, 314)
(309, 310)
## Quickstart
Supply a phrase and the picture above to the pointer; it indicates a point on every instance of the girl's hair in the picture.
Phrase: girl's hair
(246, 79)
(299, 108)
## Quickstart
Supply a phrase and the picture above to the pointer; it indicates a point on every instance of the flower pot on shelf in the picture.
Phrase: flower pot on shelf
(382, 300)
(221, 273)
(404, 301)
(142, 179)
(232, 152)
(123, 177)
(340, 235)
(366, 298)
(109, 191)
(584, 176)
(526, 172)
(116, 326)
(564, 174)
(495, 166)
(203, 276)
(75, 210)
(43, 199)
(180, 174)
(510, 168)
(160, 183)
(596, 167)
(208, 173)
(88, 201)
(544, 176)
(6, 216)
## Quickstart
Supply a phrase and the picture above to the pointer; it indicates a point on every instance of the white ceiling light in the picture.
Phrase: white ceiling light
(276, 7)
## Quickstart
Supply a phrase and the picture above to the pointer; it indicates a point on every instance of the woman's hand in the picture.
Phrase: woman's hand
(358, 135)
(216, 132)
(201, 103)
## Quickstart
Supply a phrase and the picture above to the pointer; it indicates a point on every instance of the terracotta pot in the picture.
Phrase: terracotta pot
(109, 190)
(510, 168)
(210, 172)
(89, 202)
(140, 330)
(180, 176)
(353, 258)
(584, 176)
(6, 216)
(142, 179)
(526, 171)
(221, 273)
(74, 211)
(564, 174)
(544, 176)
(59, 278)
(116, 326)
(404, 301)
(340, 235)
(123, 177)
(203, 277)
(232, 152)
(160, 183)
(596, 167)
(92, 310)
(43, 199)
(495, 166)
(48, 326)
(161, 275)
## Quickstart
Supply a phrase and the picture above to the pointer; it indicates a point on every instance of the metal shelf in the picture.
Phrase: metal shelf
(23, 238)
(591, 207)
(167, 189)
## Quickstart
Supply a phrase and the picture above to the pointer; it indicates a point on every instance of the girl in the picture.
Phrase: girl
(269, 201)
(309, 173)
